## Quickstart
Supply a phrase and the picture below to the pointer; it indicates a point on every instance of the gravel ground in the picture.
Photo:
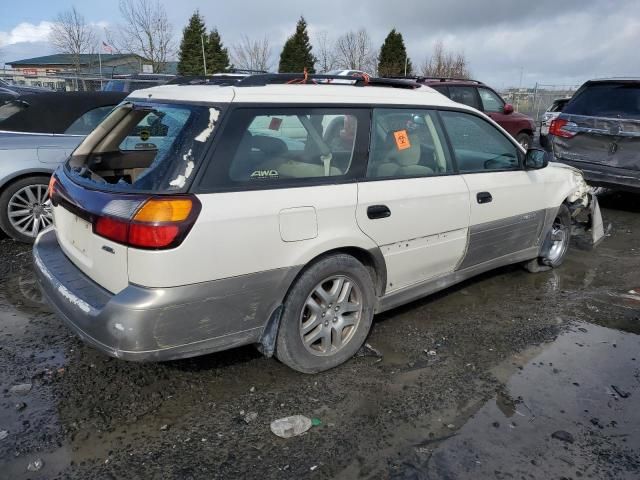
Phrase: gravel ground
(528, 376)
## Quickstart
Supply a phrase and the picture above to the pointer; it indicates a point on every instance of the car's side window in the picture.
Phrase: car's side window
(479, 146)
(465, 95)
(490, 101)
(406, 143)
(272, 146)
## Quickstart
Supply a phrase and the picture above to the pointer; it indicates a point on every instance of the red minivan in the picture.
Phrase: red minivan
(478, 95)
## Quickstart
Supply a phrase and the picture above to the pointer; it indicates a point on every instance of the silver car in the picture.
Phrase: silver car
(39, 131)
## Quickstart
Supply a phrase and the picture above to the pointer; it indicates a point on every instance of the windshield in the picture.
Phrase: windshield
(618, 100)
(114, 86)
(144, 147)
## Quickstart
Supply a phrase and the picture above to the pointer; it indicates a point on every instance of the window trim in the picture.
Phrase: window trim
(452, 150)
(358, 162)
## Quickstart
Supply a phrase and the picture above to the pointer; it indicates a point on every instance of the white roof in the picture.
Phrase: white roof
(279, 93)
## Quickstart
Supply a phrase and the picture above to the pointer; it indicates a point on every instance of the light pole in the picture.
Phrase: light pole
(204, 58)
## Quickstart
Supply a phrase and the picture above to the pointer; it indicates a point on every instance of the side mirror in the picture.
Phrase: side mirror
(536, 158)
(508, 108)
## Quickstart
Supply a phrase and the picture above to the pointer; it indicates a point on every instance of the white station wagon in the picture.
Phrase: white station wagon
(199, 218)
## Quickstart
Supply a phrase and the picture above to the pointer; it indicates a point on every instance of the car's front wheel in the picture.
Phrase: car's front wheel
(556, 243)
(25, 209)
(327, 315)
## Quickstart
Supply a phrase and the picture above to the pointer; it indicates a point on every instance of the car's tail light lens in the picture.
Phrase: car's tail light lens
(160, 222)
(561, 127)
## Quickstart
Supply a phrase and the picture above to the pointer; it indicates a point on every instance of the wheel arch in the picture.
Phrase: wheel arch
(34, 172)
(372, 259)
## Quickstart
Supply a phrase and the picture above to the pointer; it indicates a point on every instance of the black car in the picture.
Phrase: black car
(599, 132)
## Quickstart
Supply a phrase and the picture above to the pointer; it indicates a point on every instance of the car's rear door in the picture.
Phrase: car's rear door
(601, 127)
(506, 202)
(411, 203)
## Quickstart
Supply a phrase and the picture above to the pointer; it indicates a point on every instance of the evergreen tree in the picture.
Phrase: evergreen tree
(190, 60)
(296, 53)
(217, 55)
(393, 55)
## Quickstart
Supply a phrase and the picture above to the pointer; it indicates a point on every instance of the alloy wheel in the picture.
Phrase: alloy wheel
(29, 210)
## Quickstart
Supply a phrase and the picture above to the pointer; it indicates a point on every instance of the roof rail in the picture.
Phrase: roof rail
(324, 79)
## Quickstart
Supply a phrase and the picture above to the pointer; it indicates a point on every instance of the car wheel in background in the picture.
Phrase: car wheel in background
(524, 139)
(327, 315)
(25, 209)
(556, 244)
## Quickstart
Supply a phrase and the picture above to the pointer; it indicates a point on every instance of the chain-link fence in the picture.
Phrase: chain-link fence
(81, 82)
(535, 101)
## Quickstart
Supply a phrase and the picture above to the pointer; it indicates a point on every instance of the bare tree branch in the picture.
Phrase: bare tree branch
(325, 53)
(146, 31)
(72, 35)
(251, 54)
(354, 51)
(444, 63)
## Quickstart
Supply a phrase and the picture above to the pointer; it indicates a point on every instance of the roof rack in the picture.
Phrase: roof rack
(324, 79)
(421, 78)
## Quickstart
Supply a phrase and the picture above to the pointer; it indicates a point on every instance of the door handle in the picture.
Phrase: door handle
(484, 197)
(378, 211)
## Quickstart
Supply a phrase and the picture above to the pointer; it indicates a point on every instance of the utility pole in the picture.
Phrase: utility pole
(204, 58)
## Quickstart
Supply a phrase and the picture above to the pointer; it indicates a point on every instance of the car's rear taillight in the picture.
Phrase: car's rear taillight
(561, 127)
(159, 222)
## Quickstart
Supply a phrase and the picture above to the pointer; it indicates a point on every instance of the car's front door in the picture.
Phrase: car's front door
(507, 202)
(493, 106)
(412, 204)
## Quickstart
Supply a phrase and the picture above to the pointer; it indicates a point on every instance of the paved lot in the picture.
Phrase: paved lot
(534, 376)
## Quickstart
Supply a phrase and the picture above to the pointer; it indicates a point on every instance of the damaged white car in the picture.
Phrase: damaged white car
(286, 214)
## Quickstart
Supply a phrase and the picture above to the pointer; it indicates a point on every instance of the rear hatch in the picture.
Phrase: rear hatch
(125, 186)
(601, 125)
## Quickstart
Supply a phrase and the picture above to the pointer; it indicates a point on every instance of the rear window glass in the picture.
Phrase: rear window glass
(273, 146)
(148, 147)
(607, 100)
(10, 108)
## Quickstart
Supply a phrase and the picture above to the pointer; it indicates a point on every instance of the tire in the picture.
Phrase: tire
(556, 243)
(309, 339)
(524, 139)
(30, 193)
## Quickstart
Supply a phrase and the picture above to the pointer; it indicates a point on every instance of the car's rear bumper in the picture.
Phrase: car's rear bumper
(605, 176)
(158, 323)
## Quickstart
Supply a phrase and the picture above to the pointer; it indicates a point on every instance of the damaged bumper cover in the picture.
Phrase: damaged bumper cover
(154, 324)
(587, 220)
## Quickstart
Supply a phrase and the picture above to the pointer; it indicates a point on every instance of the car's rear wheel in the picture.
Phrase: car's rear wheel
(524, 139)
(327, 315)
(556, 244)
(25, 209)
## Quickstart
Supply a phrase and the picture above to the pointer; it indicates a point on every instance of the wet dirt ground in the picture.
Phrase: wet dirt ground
(508, 375)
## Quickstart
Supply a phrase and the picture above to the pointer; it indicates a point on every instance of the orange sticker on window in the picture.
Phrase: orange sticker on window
(275, 123)
(402, 140)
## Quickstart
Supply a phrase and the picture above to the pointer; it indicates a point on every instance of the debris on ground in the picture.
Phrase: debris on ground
(21, 389)
(292, 426)
(20, 406)
(563, 436)
(250, 417)
(316, 422)
(3, 434)
(619, 392)
(431, 353)
(368, 351)
(36, 465)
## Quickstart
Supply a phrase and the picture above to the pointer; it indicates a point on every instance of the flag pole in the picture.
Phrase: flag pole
(100, 62)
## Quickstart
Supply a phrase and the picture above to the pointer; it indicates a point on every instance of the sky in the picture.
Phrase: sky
(507, 42)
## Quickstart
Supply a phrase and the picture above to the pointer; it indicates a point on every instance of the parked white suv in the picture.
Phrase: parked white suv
(199, 218)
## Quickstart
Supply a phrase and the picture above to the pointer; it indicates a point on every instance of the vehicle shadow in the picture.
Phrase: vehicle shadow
(624, 201)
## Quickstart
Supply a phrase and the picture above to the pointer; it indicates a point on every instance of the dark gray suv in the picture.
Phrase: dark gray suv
(599, 133)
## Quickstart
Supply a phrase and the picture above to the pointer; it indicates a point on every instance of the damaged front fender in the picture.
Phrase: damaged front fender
(587, 220)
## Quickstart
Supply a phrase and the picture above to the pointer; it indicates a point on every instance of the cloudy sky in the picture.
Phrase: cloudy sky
(545, 41)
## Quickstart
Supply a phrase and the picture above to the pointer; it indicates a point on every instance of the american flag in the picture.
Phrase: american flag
(106, 47)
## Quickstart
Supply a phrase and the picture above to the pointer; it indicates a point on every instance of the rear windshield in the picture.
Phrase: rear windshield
(616, 100)
(144, 147)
